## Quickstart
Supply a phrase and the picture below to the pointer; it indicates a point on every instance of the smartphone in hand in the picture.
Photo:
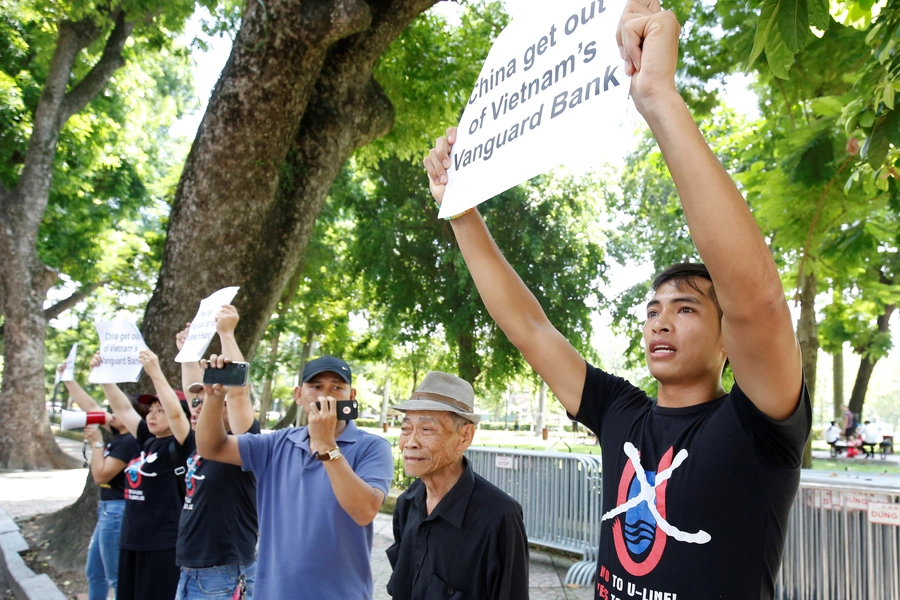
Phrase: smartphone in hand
(347, 410)
(232, 375)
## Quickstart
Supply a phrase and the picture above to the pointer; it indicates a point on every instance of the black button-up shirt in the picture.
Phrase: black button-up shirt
(471, 547)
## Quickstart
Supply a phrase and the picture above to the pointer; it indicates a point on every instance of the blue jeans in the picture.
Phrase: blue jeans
(102, 567)
(215, 582)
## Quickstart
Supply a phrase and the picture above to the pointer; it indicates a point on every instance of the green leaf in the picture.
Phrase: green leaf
(778, 55)
(892, 127)
(793, 24)
(867, 119)
(819, 16)
(827, 106)
(763, 30)
(875, 150)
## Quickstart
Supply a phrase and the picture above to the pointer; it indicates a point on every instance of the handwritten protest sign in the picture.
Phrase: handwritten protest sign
(69, 373)
(120, 344)
(203, 327)
(554, 76)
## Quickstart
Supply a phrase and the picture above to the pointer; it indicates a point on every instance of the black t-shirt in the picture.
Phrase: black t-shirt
(473, 544)
(122, 447)
(218, 521)
(153, 502)
(721, 478)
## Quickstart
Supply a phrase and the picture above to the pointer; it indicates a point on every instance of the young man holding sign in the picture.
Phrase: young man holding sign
(698, 483)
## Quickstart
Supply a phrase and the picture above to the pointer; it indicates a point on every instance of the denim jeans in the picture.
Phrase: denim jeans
(102, 567)
(215, 582)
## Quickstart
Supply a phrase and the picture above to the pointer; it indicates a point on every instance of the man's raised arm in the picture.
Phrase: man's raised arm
(757, 327)
(510, 303)
(239, 403)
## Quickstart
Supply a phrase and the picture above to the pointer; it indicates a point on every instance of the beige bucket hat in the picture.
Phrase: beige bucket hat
(442, 391)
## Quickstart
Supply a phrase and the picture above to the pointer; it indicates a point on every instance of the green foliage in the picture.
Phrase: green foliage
(115, 162)
(428, 73)
(415, 277)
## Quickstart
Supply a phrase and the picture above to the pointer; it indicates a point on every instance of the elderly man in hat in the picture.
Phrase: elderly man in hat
(455, 534)
(318, 489)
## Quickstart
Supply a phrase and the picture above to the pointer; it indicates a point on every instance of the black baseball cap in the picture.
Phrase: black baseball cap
(327, 363)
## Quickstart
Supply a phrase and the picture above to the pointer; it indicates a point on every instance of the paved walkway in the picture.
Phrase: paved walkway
(28, 494)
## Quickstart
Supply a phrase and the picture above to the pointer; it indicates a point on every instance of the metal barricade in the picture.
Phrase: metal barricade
(560, 498)
(833, 550)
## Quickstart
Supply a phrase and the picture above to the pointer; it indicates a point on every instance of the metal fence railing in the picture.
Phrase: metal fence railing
(841, 543)
(843, 540)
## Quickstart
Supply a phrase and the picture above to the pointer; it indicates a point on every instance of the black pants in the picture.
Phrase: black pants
(147, 575)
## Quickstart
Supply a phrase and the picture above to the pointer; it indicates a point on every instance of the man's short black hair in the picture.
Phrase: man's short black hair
(686, 274)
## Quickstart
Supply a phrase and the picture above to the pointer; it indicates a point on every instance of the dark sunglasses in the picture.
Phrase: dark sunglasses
(196, 402)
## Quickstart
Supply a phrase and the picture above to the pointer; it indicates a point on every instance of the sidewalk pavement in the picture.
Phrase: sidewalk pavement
(25, 494)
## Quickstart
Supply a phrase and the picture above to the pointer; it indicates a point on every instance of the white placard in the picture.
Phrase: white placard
(506, 462)
(69, 373)
(203, 327)
(552, 88)
(120, 344)
(886, 514)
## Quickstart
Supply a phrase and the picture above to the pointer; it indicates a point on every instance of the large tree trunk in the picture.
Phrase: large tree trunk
(867, 365)
(67, 532)
(385, 400)
(838, 381)
(542, 407)
(808, 336)
(295, 99)
(25, 438)
(265, 400)
(469, 365)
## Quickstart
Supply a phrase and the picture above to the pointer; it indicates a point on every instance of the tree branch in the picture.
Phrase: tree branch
(67, 303)
(92, 83)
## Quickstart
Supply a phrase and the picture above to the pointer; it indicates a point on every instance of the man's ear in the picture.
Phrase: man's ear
(297, 391)
(353, 393)
(468, 433)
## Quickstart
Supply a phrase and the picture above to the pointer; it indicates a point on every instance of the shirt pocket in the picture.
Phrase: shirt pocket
(438, 590)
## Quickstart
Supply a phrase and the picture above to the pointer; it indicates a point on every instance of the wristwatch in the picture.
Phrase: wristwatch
(333, 454)
(99, 444)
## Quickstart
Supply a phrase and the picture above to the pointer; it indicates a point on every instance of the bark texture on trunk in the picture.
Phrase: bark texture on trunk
(867, 365)
(808, 336)
(68, 531)
(838, 380)
(25, 438)
(295, 99)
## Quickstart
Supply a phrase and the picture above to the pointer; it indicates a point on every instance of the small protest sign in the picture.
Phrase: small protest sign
(552, 85)
(203, 327)
(68, 373)
(120, 344)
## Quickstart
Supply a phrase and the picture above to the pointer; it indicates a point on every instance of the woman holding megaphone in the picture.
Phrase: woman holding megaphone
(108, 461)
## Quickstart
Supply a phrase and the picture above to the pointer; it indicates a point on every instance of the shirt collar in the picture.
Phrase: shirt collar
(300, 435)
(452, 507)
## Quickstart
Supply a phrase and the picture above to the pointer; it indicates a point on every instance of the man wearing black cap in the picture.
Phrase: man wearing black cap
(456, 535)
(147, 568)
(328, 479)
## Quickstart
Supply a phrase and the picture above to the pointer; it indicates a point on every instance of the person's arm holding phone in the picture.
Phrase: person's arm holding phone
(213, 442)
(237, 400)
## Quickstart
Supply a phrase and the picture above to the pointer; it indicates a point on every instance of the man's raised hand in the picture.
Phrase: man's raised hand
(648, 42)
(437, 162)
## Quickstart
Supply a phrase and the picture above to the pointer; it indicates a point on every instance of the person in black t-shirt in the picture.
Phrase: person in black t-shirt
(218, 529)
(107, 468)
(698, 484)
(147, 569)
